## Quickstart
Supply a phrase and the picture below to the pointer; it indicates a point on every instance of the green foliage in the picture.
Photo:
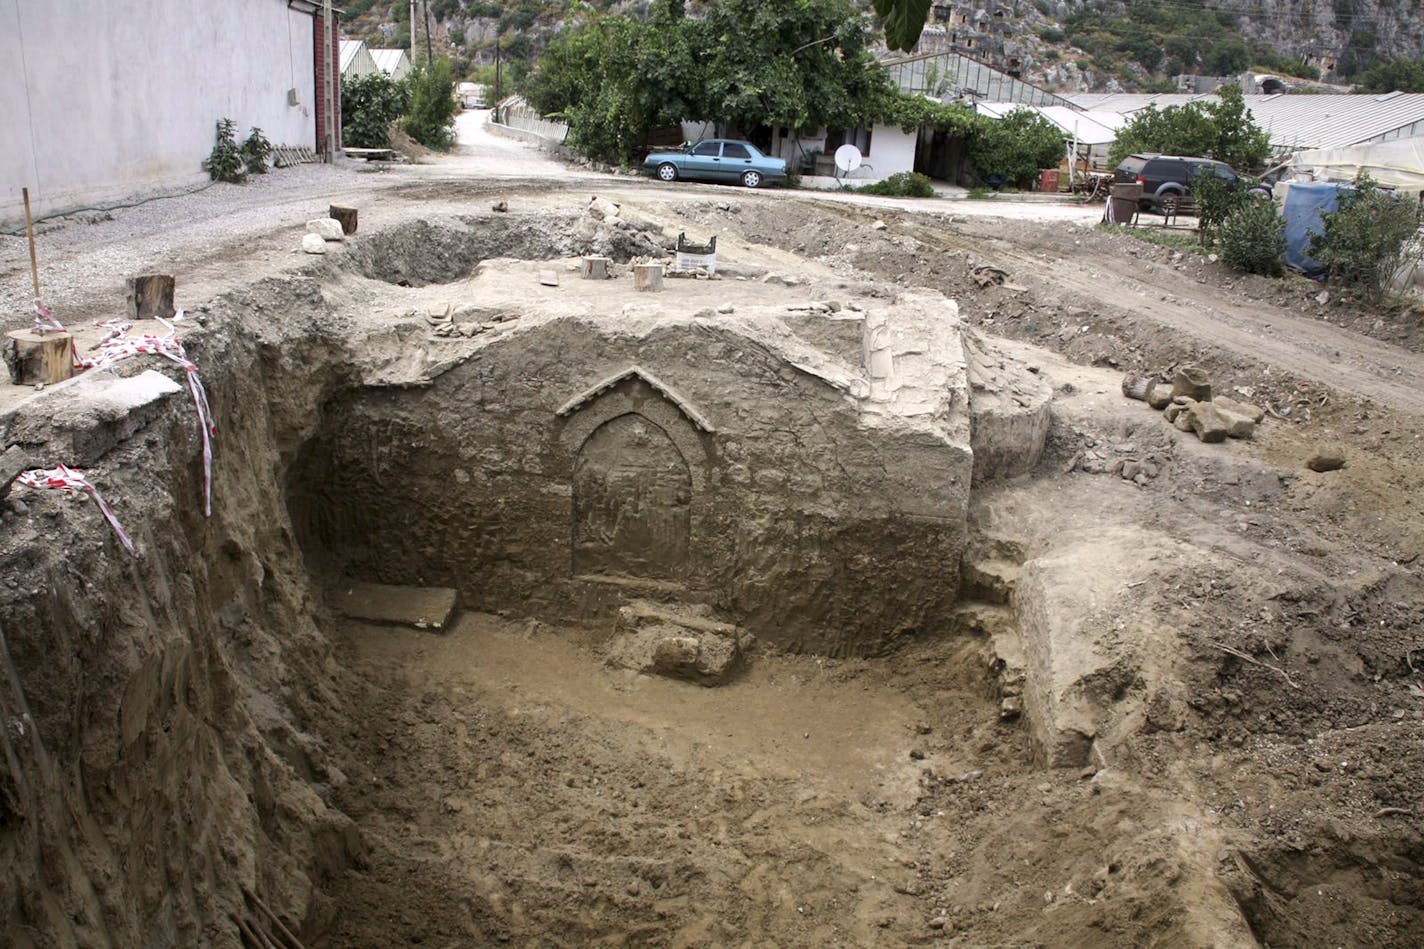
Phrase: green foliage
(912, 112)
(1402, 74)
(1226, 59)
(904, 184)
(904, 20)
(369, 104)
(1016, 146)
(430, 115)
(1364, 240)
(1215, 200)
(225, 163)
(801, 65)
(256, 150)
(1223, 130)
(1159, 36)
(1252, 238)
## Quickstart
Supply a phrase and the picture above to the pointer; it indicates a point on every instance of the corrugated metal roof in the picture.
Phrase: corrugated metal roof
(1296, 122)
(950, 76)
(349, 49)
(392, 62)
(1089, 128)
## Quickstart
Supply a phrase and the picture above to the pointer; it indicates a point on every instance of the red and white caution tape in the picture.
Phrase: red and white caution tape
(47, 322)
(118, 346)
(61, 478)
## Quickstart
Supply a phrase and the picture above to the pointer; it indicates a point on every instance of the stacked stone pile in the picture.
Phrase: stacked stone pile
(1188, 403)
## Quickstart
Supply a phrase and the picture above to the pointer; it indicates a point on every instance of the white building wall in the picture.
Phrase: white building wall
(892, 150)
(106, 99)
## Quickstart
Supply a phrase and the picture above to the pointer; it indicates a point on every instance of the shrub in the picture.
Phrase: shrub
(1016, 146)
(1252, 238)
(369, 104)
(903, 184)
(224, 162)
(256, 150)
(430, 114)
(1364, 240)
(1215, 200)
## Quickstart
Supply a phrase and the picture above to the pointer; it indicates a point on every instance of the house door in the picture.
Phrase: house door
(632, 502)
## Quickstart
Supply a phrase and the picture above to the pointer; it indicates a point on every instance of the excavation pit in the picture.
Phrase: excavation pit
(955, 670)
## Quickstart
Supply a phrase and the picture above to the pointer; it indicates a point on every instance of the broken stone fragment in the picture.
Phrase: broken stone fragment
(1208, 422)
(1192, 383)
(1136, 384)
(313, 243)
(1327, 460)
(549, 278)
(1237, 407)
(602, 209)
(1159, 394)
(326, 228)
(1175, 408)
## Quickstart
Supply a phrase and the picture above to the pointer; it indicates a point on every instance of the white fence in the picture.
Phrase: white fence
(516, 114)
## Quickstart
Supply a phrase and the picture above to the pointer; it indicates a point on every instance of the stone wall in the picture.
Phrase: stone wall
(567, 468)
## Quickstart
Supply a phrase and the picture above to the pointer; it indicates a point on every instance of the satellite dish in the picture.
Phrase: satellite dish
(847, 158)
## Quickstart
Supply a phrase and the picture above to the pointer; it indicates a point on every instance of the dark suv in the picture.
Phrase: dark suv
(1166, 179)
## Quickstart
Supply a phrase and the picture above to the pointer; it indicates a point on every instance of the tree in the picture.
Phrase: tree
(1223, 130)
(1366, 238)
(799, 64)
(369, 104)
(1227, 59)
(1401, 74)
(1016, 146)
(430, 113)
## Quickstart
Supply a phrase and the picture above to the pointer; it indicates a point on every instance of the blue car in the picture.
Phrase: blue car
(717, 159)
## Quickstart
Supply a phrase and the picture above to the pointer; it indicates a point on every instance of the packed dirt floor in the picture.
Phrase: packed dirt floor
(508, 787)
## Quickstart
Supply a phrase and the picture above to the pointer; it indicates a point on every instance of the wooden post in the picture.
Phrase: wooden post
(30, 236)
(648, 277)
(38, 358)
(594, 268)
(346, 215)
(150, 296)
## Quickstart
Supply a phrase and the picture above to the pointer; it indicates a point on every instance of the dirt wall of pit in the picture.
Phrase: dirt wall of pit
(569, 468)
(160, 710)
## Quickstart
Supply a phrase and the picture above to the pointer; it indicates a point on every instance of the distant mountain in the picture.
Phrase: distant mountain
(1084, 45)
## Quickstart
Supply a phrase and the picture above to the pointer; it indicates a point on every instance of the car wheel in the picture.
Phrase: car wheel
(667, 171)
(1170, 202)
(751, 179)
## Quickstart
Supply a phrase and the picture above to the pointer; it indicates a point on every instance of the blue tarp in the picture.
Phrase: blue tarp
(1305, 203)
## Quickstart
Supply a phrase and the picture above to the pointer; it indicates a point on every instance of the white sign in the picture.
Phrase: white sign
(686, 262)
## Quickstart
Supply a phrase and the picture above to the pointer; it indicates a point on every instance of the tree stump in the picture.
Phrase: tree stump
(648, 277)
(150, 296)
(38, 358)
(594, 268)
(346, 215)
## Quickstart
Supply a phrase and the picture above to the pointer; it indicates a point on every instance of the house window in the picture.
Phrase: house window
(860, 138)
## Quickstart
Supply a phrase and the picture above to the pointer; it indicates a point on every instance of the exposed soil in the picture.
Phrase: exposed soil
(509, 787)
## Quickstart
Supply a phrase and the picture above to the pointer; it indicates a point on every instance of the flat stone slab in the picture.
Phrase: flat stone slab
(421, 607)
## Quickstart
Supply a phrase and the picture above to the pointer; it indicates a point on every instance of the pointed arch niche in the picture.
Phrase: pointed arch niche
(638, 458)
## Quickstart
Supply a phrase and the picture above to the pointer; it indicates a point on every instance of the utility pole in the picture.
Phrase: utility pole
(496, 69)
(429, 52)
(328, 84)
(412, 33)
